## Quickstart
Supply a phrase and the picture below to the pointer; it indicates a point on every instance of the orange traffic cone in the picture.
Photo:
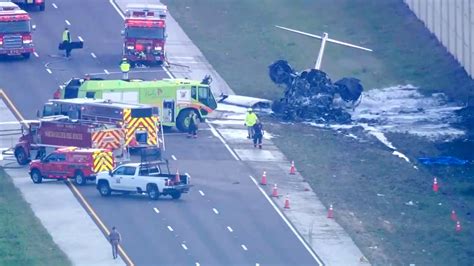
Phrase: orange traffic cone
(330, 212)
(292, 168)
(264, 179)
(458, 226)
(454, 216)
(435, 185)
(287, 202)
(177, 179)
(275, 191)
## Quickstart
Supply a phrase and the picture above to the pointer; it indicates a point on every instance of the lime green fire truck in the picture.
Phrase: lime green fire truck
(176, 98)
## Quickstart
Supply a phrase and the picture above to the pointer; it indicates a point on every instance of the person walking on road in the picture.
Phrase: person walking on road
(125, 68)
(257, 134)
(250, 120)
(67, 42)
(193, 125)
(114, 239)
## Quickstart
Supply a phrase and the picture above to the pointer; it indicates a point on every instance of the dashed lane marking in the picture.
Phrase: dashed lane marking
(230, 229)
(170, 228)
(49, 71)
(36, 54)
(106, 71)
(54, 5)
(93, 55)
(156, 210)
(215, 210)
(202, 193)
(174, 157)
(184, 246)
(67, 22)
(244, 247)
(80, 38)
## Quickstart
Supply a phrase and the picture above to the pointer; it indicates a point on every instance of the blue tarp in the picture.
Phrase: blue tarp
(442, 160)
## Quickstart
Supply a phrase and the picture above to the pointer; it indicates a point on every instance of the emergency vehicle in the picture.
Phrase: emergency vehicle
(41, 136)
(41, 4)
(175, 98)
(139, 121)
(15, 31)
(71, 162)
(144, 33)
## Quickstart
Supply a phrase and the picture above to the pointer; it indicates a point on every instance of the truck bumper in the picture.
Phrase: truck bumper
(147, 58)
(179, 188)
(18, 51)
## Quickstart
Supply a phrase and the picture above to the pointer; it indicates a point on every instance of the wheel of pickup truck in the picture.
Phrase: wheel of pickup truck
(26, 55)
(20, 156)
(104, 188)
(36, 176)
(176, 195)
(79, 178)
(42, 7)
(153, 192)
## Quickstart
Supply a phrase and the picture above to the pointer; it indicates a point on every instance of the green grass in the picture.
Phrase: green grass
(239, 40)
(23, 240)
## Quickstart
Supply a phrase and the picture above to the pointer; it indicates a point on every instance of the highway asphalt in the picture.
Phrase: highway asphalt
(224, 220)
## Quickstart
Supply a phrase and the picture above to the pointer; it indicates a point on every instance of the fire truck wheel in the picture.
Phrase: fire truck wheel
(26, 55)
(42, 6)
(152, 191)
(176, 195)
(36, 176)
(182, 122)
(20, 156)
(104, 188)
(79, 178)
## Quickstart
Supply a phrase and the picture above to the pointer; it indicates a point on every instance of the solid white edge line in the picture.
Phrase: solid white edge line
(174, 157)
(93, 55)
(67, 22)
(215, 210)
(49, 71)
(215, 133)
(200, 192)
(184, 246)
(156, 210)
(287, 222)
(112, 2)
(36, 54)
(230, 229)
(244, 247)
(170, 228)
(80, 38)
(54, 5)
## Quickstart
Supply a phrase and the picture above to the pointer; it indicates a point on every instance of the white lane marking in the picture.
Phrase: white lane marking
(257, 264)
(112, 2)
(80, 38)
(49, 71)
(93, 55)
(54, 5)
(106, 71)
(67, 22)
(167, 72)
(244, 247)
(36, 54)
(215, 210)
(215, 133)
(170, 228)
(287, 222)
(156, 210)
(174, 157)
(197, 264)
(230, 229)
(200, 192)
(184, 246)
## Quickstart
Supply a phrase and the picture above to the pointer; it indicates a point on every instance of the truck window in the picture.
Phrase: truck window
(14, 26)
(61, 157)
(129, 170)
(194, 92)
(119, 171)
(149, 171)
(205, 96)
(141, 112)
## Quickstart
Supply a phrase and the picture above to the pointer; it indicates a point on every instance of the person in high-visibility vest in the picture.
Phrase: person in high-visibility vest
(125, 68)
(250, 120)
(67, 41)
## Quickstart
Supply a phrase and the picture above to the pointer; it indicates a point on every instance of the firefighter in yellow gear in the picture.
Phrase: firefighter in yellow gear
(125, 68)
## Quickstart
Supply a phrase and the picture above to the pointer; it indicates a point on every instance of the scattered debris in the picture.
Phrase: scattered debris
(410, 203)
(380, 195)
(311, 95)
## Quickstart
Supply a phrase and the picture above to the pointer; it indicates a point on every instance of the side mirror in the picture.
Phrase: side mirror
(33, 27)
(111, 173)
(122, 32)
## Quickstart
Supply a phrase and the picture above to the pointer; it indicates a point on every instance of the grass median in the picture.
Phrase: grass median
(23, 239)
(382, 201)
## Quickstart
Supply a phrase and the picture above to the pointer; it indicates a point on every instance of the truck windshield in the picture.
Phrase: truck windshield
(145, 33)
(205, 97)
(14, 26)
(141, 112)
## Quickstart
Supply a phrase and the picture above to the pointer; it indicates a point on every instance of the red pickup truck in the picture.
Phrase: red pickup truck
(71, 162)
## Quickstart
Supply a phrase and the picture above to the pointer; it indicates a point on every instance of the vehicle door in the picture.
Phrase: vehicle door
(116, 180)
(61, 165)
(148, 173)
(50, 165)
(129, 180)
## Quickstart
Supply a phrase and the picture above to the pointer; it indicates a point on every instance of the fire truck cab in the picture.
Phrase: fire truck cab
(145, 33)
(15, 31)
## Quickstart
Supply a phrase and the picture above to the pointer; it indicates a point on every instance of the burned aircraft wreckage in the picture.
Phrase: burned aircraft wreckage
(311, 95)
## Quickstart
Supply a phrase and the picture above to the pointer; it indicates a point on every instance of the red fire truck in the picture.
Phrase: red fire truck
(144, 33)
(15, 31)
(41, 4)
(42, 136)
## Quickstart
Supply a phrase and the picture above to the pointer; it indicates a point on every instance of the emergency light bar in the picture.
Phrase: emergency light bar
(145, 23)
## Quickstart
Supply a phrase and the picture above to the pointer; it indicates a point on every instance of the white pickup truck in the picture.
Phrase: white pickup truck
(142, 178)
